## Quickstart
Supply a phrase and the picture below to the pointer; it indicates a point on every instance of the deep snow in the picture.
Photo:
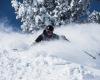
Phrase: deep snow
(54, 60)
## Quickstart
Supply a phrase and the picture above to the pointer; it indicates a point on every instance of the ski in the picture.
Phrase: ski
(19, 50)
(16, 50)
(90, 54)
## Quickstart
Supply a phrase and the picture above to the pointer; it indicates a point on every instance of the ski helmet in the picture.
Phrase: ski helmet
(49, 27)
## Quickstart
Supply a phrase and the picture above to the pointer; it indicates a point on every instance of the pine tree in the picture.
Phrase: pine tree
(35, 14)
(94, 17)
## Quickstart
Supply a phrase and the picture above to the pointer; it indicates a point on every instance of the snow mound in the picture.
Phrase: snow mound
(26, 66)
(54, 60)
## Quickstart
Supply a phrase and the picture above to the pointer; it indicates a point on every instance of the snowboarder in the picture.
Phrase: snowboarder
(48, 35)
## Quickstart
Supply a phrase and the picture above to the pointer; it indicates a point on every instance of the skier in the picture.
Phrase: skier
(48, 35)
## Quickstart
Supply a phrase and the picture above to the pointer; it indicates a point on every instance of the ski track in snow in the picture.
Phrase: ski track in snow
(54, 60)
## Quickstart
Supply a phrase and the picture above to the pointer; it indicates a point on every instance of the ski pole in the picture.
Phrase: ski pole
(90, 54)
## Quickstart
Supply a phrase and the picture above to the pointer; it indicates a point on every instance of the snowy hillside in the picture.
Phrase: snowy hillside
(54, 60)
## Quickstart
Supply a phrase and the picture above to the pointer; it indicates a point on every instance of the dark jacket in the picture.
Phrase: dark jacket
(45, 37)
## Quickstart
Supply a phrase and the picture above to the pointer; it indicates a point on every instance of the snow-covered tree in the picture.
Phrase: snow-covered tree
(94, 17)
(35, 14)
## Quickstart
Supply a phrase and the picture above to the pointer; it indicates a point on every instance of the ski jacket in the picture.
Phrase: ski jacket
(43, 37)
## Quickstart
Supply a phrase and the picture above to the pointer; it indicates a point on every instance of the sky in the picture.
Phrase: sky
(7, 12)
(95, 5)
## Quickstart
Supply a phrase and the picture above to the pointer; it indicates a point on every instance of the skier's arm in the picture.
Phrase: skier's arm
(39, 39)
(64, 38)
(55, 36)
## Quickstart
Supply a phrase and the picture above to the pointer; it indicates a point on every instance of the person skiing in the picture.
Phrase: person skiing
(47, 34)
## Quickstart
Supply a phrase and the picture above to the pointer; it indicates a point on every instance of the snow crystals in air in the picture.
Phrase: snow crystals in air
(54, 60)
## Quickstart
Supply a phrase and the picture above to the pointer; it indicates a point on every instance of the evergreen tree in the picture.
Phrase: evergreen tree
(35, 14)
(94, 17)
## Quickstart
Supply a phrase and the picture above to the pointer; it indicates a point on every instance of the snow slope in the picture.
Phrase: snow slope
(54, 60)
